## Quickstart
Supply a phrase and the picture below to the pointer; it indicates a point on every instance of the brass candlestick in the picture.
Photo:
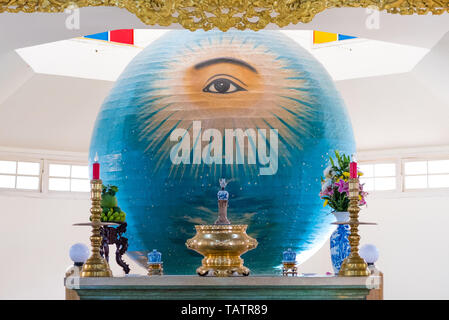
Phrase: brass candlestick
(354, 265)
(96, 265)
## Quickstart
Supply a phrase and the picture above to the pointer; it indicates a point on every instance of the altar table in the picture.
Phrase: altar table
(232, 288)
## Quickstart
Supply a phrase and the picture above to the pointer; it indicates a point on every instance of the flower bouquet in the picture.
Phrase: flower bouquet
(335, 184)
(335, 193)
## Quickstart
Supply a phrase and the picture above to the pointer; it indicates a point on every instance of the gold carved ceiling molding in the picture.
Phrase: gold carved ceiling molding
(226, 14)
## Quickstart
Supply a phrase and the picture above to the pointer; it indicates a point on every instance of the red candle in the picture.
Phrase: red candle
(96, 169)
(353, 170)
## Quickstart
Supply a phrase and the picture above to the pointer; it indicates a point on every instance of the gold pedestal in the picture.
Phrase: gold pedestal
(222, 246)
(289, 268)
(354, 265)
(155, 269)
(96, 265)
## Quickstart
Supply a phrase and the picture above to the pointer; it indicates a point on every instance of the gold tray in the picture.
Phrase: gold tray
(356, 223)
(89, 224)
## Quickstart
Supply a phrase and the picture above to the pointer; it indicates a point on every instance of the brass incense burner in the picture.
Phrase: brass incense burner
(222, 246)
(222, 243)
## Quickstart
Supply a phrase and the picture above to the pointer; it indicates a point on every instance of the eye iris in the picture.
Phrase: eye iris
(222, 85)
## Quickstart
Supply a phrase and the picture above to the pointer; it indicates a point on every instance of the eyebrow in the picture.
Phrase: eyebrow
(224, 60)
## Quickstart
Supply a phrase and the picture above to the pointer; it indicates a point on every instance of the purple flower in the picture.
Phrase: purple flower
(342, 186)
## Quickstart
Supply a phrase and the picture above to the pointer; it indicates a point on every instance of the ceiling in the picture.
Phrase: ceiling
(18, 30)
(102, 60)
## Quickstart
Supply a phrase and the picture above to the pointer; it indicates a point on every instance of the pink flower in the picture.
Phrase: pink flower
(363, 194)
(329, 191)
(342, 186)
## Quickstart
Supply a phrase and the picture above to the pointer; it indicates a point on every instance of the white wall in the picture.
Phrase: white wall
(35, 238)
(411, 236)
(395, 111)
(412, 239)
(51, 112)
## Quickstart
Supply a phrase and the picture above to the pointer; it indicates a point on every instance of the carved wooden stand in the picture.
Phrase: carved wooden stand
(114, 235)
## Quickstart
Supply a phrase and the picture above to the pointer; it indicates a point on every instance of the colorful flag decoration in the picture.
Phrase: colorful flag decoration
(99, 36)
(326, 37)
(345, 37)
(125, 36)
(122, 36)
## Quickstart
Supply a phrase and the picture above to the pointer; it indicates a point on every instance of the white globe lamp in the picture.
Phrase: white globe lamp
(79, 253)
(370, 254)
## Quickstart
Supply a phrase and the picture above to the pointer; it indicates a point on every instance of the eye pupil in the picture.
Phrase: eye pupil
(222, 85)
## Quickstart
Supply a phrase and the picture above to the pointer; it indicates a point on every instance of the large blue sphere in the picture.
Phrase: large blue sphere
(166, 134)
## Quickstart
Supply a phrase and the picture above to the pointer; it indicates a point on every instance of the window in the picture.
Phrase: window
(378, 176)
(426, 174)
(68, 177)
(20, 175)
(35, 174)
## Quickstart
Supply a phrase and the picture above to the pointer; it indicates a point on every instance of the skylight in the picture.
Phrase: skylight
(105, 60)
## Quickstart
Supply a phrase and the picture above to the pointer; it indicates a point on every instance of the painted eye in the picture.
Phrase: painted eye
(222, 86)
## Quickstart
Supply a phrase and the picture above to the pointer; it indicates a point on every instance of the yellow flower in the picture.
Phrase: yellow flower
(360, 173)
(346, 174)
(325, 202)
(360, 197)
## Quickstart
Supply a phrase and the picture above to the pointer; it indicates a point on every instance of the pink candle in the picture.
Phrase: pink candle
(96, 169)
(353, 170)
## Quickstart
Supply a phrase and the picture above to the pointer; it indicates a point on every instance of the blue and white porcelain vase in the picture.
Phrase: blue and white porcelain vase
(339, 242)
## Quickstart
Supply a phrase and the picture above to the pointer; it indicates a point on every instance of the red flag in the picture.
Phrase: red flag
(122, 36)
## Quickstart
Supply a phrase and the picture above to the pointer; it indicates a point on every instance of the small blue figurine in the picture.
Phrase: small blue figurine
(289, 256)
(155, 257)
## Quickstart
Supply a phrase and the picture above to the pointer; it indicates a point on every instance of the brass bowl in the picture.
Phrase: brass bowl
(222, 246)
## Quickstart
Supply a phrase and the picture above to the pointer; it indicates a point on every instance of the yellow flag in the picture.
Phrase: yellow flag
(324, 37)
